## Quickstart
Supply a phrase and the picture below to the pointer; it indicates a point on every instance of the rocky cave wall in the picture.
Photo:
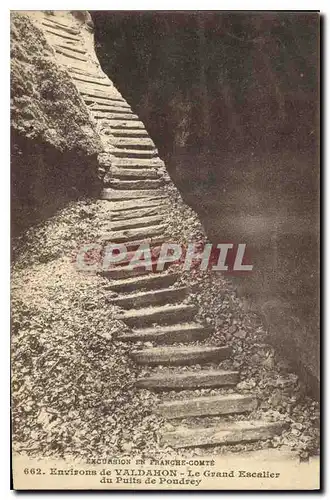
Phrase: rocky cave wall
(54, 144)
(231, 101)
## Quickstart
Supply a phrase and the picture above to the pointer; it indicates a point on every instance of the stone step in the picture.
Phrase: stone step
(92, 95)
(145, 299)
(131, 247)
(61, 27)
(56, 21)
(68, 62)
(63, 36)
(161, 314)
(138, 162)
(134, 244)
(186, 355)
(67, 44)
(101, 108)
(122, 195)
(146, 282)
(69, 47)
(137, 146)
(135, 222)
(79, 67)
(224, 433)
(208, 405)
(61, 23)
(118, 124)
(94, 75)
(116, 106)
(129, 235)
(124, 207)
(102, 89)
(181, 332)
(131, 254)
(130, 132)
(112, 115)
(134, 153)
(135, 142)
(102, 86)
(68, 54)
(112, 108)
(124, 272)
(125, 215)
(136, 184)
(139, 173)
(189, 380)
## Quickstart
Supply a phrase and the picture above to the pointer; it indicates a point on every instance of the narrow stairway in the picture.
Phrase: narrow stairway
(153, 306)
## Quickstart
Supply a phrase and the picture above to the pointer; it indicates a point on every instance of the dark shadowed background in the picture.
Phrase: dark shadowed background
(232, 103)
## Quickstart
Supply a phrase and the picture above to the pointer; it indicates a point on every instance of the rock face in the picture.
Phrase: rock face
(54, 142)
(46, 105)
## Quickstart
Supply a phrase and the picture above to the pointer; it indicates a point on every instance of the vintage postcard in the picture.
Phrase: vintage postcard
(165, 250)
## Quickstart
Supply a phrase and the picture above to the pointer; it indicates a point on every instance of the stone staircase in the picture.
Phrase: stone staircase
(153, 306)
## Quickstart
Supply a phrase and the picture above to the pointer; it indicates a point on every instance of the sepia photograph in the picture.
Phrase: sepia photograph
(165, 250)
